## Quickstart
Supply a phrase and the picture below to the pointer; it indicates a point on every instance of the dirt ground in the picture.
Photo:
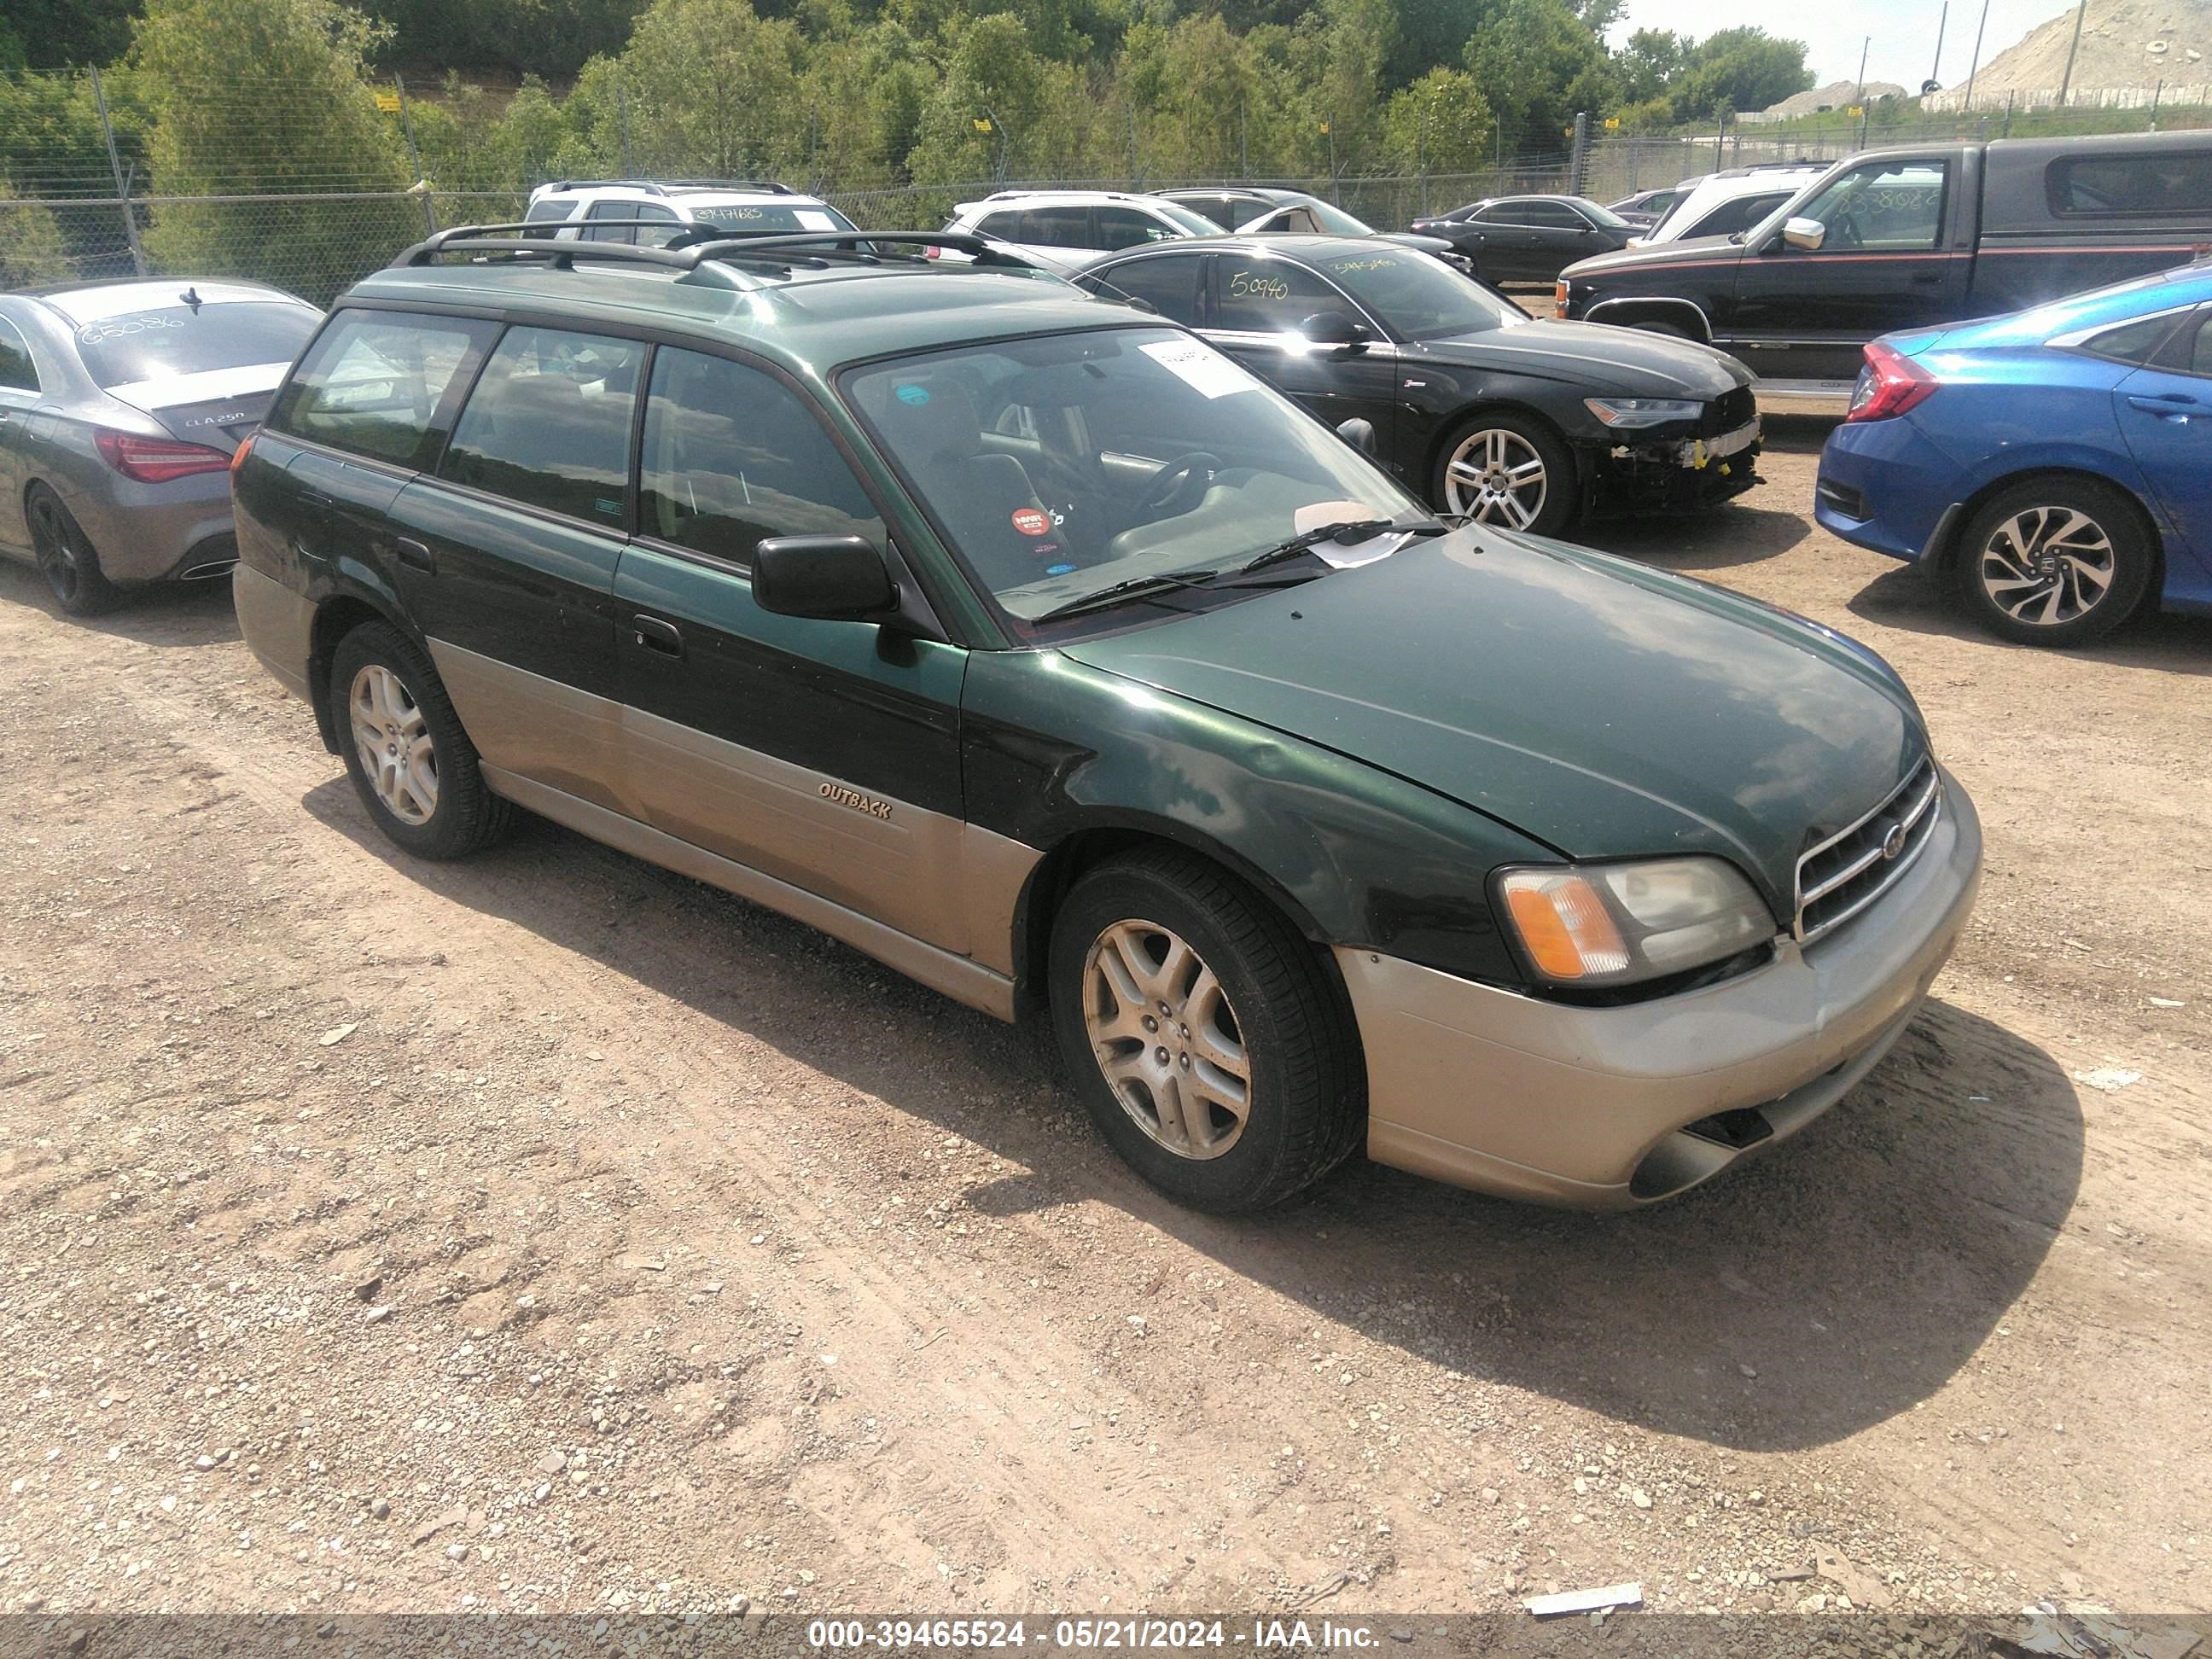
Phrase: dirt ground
(549, 1232)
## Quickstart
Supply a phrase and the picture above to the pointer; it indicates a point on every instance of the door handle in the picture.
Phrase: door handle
(1926, 278)
(2175, 406)
(654, 635)
(413, 553)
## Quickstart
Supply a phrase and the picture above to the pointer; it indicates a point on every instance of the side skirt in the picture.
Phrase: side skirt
(956, 976)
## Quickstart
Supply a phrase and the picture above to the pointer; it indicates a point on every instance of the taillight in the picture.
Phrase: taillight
(1559, 298)
(1890, 384)
(237, 455)
(156, 460)
(931, 250)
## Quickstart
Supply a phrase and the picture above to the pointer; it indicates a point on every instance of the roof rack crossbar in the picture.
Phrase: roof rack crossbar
(665, 186)
(599, 184)
(816, 248)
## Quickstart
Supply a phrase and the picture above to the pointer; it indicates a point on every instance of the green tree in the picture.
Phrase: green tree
(1441, 124)
(1649, 63)
(1537, 64)
(248, 97)
(1737, 68)
(31, 249)
(705, 89)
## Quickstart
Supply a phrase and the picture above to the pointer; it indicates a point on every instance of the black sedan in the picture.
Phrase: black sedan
(1529, 238)
(1482, 409)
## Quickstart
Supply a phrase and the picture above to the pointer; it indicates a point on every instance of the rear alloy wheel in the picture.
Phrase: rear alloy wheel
(66, 557)
(2056, 561)
(411, 763)
(1207, 1043)
(1506, 470)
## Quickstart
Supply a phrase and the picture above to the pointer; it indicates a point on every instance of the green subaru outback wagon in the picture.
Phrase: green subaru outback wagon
(1037, 650)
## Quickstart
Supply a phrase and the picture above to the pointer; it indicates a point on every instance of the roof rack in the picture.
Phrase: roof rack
(817, 249)
(668, 186)
(1060, 190)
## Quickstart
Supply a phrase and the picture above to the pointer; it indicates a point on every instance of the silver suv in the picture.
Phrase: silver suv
(627, 209)
(1066, 229)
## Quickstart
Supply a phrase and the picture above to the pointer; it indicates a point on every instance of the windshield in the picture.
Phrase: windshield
(1604, 216)
(171, 340)
(1420, 298)
(744, 217)
(1060, 465)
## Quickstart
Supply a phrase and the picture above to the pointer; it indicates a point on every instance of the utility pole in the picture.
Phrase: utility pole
(121, 183)
(622, 122)
(1861, 101)
(2066, 84)
(2154, 94)
(1935, 69)
(415, 156)
(1974, 66)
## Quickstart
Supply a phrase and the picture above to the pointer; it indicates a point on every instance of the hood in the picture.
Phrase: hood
(1625, 361)
(217, 407)
(1603, 709)
(1697, 250)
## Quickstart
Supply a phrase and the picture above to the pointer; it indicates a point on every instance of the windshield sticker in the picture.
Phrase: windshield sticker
(1199, 367)
(1059, 570)
(813, 219)
(1257, 285)
(916, 395)
(1031, 522)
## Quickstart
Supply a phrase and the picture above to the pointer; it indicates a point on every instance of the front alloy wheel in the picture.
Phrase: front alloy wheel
(1496, 477)
(1166, 1039)
(397, 752)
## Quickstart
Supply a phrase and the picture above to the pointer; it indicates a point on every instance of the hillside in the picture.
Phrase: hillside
(2127, 46)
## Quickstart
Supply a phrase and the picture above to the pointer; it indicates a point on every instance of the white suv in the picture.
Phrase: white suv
(1724, 203)
(595, 209)
(1064, 229)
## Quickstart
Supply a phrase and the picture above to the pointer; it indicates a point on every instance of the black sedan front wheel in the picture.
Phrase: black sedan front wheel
(1504, 468)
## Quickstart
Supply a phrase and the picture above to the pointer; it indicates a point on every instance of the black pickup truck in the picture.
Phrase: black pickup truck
(1910, 238)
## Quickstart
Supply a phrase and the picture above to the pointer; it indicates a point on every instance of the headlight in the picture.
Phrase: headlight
(1630, 412)
(1613, 924)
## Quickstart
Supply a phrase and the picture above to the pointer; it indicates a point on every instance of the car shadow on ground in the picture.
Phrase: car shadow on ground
(1717, 538)
(1805, 1295)
(1909, 598)
(171, 615)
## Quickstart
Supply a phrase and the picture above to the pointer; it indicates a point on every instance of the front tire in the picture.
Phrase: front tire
(1205, 1039)
(411, 762)
(66, 557)
(2058, 561)
(1505, 468)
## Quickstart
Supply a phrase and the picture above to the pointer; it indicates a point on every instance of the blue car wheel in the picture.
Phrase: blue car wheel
(2056, 561)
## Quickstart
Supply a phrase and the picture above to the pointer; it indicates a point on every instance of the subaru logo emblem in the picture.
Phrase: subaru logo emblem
(1893, 842)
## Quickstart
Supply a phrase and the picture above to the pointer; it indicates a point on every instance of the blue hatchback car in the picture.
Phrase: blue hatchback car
(2056, 464)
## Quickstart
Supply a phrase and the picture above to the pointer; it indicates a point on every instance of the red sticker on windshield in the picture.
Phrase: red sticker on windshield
(1030, 522)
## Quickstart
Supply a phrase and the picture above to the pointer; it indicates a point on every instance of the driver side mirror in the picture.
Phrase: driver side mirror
(1805, 234)
(1334, 328)
(835, 578)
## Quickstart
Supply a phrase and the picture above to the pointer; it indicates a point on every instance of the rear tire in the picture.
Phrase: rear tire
(2056, 561)
(411, 762)
(66, 557)
(1202, 1034)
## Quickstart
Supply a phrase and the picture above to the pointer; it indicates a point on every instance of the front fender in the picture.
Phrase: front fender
(1357, 857)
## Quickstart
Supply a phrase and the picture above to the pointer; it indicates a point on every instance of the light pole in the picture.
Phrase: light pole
(1974, 67)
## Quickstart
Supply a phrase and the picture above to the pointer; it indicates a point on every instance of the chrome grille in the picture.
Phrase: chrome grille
(1846, 873)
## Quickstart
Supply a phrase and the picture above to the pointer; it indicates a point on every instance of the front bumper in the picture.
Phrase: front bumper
(1681, 472)
(1591, 1107)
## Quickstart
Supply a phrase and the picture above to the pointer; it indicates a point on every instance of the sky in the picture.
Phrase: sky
(1904, 31)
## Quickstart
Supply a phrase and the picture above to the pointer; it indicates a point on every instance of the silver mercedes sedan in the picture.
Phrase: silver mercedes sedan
(120, 405)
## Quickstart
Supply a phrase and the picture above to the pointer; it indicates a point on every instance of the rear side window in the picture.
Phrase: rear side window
(1056, 227)
(599, 229)
(1227, 212)
(549, 423)
(2131, 343)
(732, 456)
(2131, 186)
(17, 372)
(1168, 282)
(164, 341)
(381, 384)
(544, 213)
(1121, 226)
(1741, 214)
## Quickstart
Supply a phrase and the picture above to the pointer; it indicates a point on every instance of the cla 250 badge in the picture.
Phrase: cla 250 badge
(856, 800)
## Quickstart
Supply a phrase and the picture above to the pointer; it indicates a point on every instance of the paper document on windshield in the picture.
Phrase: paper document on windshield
(1321, 514)
(813, 219)
(1200, 367)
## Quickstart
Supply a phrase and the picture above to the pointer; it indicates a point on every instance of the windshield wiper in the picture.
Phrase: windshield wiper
(1347, 532)
(1151, 588)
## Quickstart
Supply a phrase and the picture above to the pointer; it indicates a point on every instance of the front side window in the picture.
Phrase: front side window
(17, 372)
(129, 347)
(606, 223)
(549, 214)
(548, 423)
(732, 456)
(1059, 465)
(1893, 207)
(1260, 295)
(1553, 216)
(1166, 282)
(1506, 213)
(2192, 350)
(379, 383)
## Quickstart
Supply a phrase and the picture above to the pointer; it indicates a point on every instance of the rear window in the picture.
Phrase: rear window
(745, 218)
(377, 384)
(2131, 186)
(171, 340)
